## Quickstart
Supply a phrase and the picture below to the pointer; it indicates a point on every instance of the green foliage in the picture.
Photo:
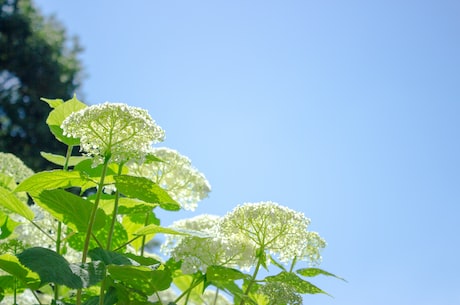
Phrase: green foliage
(145, 190)
(97, 218)
(11, 202)
(53, 268)
(13, 266)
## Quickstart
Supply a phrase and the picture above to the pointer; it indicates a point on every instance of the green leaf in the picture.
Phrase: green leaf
(7, 182)
(298, 284)
(311, 272)
(7, 225)
(110, 298)
(142, 278)
(145, 261)
(60, 160)
(185, 281)
(12, 203)
(71, 209)
(48, 180)
(153, 229)
(59, 114)
(220, 274)
(53, 103)
(11, 264)
(135, 221)
(108, 257)
(145, 190)
(53, 268)
(119, 237)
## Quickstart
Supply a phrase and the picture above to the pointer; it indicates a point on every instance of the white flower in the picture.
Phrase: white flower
(176, 175)
(198, 253)
(272, 227)
(33, 237)
(12, 166)
(280, 293)
(113, 130)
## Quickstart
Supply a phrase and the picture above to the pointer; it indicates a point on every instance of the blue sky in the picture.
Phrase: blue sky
(348, 111)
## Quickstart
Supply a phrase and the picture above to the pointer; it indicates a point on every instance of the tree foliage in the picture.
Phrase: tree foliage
(36, 59)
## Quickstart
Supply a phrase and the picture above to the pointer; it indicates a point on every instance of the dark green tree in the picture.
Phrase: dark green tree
(37, 59)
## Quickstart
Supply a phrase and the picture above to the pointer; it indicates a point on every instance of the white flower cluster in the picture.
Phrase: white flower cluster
(33, 237)
(176, 175)
(12, 166)
(274, 228)
(113, 130)
(280, 293)
(198, 253)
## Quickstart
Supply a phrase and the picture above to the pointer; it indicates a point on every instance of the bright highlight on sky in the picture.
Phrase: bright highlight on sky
(348, 111)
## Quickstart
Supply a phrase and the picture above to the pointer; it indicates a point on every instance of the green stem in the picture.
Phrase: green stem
(144, 237)
(59, 228)
(92, 219)
(215, 297)
(253, 279)
(186, 292)
(294, 261)
(114, 213)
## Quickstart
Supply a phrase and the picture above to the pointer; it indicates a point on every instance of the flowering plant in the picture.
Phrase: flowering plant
(77, 234)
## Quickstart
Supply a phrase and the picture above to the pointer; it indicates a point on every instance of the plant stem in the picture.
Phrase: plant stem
(144, 237)
(89, 232)
(294, 261)
(114, 213)
(59, 228)
(186, 292)
(253, 279)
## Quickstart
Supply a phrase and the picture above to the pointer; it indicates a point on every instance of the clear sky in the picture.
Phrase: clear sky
(348, 111)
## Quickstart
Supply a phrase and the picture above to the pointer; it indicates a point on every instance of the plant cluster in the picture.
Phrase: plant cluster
(78, 234)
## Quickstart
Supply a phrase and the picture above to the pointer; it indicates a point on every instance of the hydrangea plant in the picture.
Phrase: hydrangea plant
(77, 234)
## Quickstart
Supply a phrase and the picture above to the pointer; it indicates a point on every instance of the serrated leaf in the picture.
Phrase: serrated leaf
(154, 229)
(48, 180)
(298, 284)
(53, 103)
(53, 268)
(108, 257)
(144, 189)
(145, 261)
(59, 114)
(60, 160)
(71, 209)
(12, 265)
(142, 278)
(12, 203)
(311, 272)
(221, 274)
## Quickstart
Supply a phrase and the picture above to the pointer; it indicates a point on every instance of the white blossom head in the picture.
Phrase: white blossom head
(113, 130)
(176, 175)
(272, 227)
(12, 166)
(198, 253)
(280, 293)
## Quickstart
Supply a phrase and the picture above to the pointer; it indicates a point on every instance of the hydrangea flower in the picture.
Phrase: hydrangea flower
(176, 175)
(272, 227)
(280, 293)
(31, 236)
(12, 166)
(113, 130)
(198, 253)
